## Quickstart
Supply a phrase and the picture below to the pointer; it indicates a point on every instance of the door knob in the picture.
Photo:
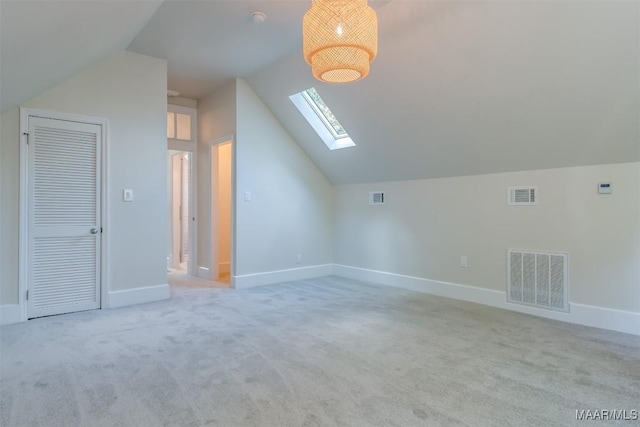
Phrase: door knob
(94, 231)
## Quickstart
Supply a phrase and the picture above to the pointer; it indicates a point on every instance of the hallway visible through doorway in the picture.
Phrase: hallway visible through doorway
(179, 279)
(180, 207)
(221, 209)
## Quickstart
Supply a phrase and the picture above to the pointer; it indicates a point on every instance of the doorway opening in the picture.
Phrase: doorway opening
(180, 180)
(221, 209)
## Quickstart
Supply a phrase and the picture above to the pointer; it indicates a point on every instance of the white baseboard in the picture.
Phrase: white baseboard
(606, 318)
(434, 287)
(9, 314)
(224, 268)
(279, 276)
(598, 317)
(138, 295)
(204, 273)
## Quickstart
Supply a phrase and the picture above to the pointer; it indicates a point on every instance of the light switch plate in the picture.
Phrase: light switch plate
(127, 195)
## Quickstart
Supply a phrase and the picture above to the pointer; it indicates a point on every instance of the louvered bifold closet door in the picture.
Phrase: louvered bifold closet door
(64, 216)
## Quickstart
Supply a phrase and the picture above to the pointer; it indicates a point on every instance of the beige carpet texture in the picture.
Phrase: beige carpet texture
(322, 352)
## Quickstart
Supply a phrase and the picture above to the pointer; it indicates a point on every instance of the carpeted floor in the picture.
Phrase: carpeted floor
(323, 352)
(180, 279)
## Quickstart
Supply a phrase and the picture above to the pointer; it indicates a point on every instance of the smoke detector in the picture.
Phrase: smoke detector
(258, 17)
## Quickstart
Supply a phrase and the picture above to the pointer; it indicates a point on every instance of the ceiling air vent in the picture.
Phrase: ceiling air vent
(522, 196)
(376, 198)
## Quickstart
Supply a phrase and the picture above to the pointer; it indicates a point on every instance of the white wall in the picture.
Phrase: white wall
(130, 91)
(291, 208)
(9, 209)
(216, 119)
(426, 225)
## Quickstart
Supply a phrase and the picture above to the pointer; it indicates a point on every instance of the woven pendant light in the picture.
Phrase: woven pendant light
(340, 39)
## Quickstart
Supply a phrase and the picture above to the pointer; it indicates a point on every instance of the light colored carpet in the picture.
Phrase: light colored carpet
(323, 352)
(180, 279)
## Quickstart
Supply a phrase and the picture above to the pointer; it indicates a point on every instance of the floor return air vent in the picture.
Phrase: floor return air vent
(538, 279)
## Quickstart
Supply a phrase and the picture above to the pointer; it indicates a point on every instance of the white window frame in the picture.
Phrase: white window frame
(319, 123)
(181, 144)
(322, 116)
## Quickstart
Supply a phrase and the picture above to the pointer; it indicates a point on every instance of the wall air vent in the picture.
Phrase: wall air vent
(522, 196)
(538, 279)
(376, 198)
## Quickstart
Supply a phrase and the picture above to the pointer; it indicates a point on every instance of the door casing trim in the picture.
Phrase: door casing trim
(191, 147)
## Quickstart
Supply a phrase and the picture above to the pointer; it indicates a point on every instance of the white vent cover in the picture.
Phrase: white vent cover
(537, 279)
(376, 198)
(522, 196)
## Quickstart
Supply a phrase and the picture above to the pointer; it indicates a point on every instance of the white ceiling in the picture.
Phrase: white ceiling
(209, 42)
(463, 88)
(43, 43)
(458, 88)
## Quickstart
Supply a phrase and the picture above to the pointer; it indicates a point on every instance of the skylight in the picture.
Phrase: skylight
(313, 98)
(320, 117)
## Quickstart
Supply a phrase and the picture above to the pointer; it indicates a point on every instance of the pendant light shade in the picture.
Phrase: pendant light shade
(340, 39)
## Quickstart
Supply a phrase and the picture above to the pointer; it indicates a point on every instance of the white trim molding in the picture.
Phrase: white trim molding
(606, 318)
(279, 276)
(581, 314)
(10, 313)
(190, 146)
(138, 295)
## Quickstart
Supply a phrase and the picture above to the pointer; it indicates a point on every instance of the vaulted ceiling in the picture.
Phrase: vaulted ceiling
(43, 43)
(471, 87)
(458, 88)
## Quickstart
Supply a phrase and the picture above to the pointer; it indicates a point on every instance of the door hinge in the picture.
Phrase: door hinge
(27, 295)
(27, 135)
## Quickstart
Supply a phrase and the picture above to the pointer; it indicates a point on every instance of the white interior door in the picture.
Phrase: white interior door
(181, 222)
(64, 224)
(176, 218)
(185, 205)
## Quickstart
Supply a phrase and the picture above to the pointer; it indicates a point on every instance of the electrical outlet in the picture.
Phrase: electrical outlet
(463, 261)
(298, 259)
